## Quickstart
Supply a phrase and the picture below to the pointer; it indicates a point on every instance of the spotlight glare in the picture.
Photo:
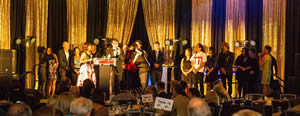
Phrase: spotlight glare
(252, 43)
(96, 41)
(18, 41)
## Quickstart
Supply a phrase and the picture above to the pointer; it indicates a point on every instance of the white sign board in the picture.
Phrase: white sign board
(163, 104)
(147, 98)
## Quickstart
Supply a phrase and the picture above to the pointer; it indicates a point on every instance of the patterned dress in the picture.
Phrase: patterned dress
(52, 70)
(86, 72)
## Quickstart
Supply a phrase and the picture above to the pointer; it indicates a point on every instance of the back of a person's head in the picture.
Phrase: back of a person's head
(246, 112)
(47, 111)
(81, 107)
(183, 84)
(179, 90)
(87, 83)
(52, 101)
(75, 90)
(160, 85)
(151, 90)
(63, 102)
(98, 96)
(211, 97)
(19, 110)
(194, 92)
(198, 107)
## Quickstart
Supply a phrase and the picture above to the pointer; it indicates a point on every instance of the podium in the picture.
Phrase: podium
(106, 75)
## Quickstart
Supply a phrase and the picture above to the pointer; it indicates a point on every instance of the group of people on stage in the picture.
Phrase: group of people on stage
(134, 65)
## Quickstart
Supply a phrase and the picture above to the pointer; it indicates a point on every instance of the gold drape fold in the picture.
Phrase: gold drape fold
(77, 21)
(4, 24)
(121, 18)
(274, 13)
(201, 22)
(36, 26)
(159, 19)
(235, 23)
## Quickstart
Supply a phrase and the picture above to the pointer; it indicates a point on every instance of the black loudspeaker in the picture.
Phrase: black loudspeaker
(292, 86)
(297, 64)
(5, 68)
(5, 62)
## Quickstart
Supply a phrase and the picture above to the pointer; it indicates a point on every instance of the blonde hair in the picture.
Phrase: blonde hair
(63, 102)
(81, 106)
(246, 112)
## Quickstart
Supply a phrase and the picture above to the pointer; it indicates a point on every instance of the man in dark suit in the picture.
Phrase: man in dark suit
(96, 54)
(156, 60)
(116, 52)
(64, 60)
(139, 58)
(225, 64)
(161, 90)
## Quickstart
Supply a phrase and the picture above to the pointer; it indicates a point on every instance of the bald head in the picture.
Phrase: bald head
(19, 110)
(66, 45)
(198, 107)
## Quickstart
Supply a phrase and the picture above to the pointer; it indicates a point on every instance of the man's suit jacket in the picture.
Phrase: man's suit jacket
(164, 95)
(118, 69)
(226, 61)
(63, 62)
(154, 60)
(142, 66)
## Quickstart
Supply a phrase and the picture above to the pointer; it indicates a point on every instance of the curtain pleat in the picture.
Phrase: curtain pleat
(121, 18)
(274, 16)
(4, 24)
(235, 23)
(201, 22)
(77, 11)
(36, 26)
(159, 19)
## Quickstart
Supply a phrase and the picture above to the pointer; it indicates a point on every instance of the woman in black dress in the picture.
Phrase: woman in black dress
(254, 71)
(242, 74)
(186, 67)
(211, 68)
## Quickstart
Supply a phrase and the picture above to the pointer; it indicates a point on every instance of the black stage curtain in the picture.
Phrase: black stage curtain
(218, 24)
(57, 24)
(139, 31)
(292, 63)
(254, 22)
(97, 19)
(183, 20)
(17, 30)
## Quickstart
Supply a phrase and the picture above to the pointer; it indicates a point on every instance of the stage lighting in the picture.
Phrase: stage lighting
(19, 41)
(96, 41)
(252, 43)
(237, 44)
(32, 40)
(184, 42)
(168, 42)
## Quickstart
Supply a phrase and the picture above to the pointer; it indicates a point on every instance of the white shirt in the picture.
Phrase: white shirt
(198, 59)
(67, 55)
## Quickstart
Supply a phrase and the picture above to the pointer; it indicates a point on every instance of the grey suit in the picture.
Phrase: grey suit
(64, 63)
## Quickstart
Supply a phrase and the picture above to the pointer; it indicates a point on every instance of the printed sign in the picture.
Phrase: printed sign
(163, 104)
(147, 98)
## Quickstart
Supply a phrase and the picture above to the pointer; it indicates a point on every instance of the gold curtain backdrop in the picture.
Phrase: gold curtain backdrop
(121, 18)
(77, 21)
(36, 26)
(159, 20)
(201, 22)
(274, 13)
(235, 23)
(4, 24)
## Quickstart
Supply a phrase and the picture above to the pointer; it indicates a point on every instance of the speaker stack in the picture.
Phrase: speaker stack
(7, 67)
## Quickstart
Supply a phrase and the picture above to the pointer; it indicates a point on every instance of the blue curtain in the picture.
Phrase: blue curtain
(218, 24)
(254, 10)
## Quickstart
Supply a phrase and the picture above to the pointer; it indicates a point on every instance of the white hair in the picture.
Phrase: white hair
(198, 107)
(81, 106)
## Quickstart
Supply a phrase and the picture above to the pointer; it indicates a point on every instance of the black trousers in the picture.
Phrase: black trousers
(229, 78)
(155, 76)
(198, 78)
(243, 82)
